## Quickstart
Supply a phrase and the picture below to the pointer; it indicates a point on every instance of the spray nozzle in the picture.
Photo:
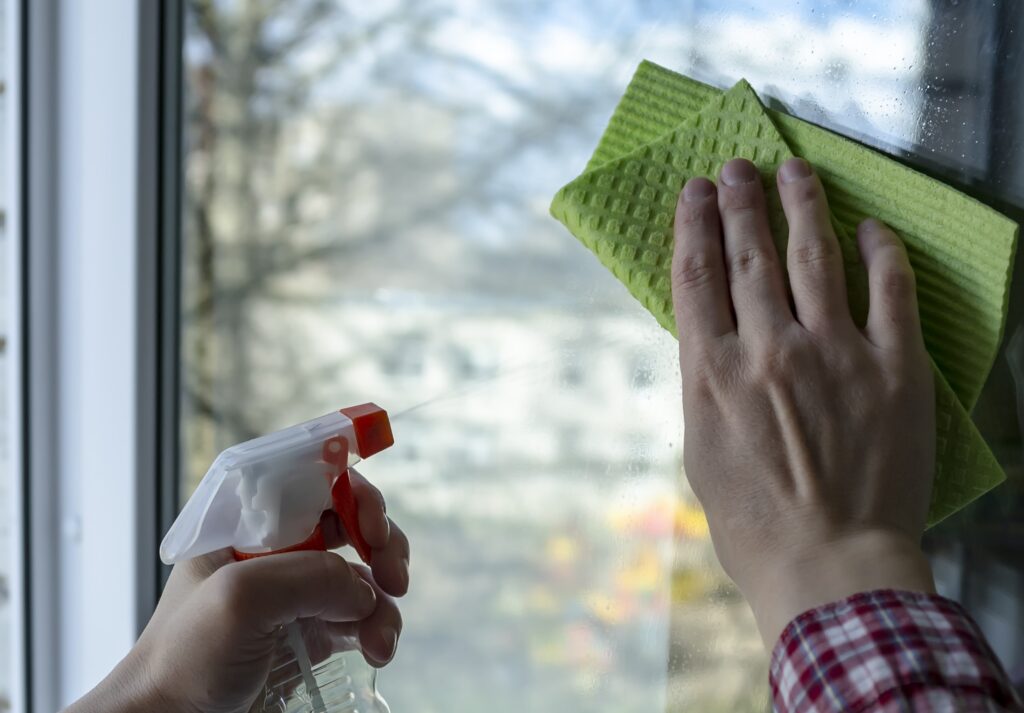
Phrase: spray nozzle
(267, 495)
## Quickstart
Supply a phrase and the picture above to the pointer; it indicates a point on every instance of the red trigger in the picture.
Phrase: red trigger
(335, 452)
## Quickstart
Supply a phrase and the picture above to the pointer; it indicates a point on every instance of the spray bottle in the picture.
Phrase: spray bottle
(266, 496)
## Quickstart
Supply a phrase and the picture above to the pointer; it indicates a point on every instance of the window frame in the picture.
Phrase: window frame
(93, 401)
(14, 49)
(169, 103)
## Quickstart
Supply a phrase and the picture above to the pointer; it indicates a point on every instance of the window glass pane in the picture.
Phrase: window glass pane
(365, 218)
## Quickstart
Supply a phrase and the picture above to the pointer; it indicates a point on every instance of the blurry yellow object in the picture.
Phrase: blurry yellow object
(689, 585)
(562, 549)
(548, 651)
(604, 607)
(653, 518)
(543, 601)
(691, 523)
(645, 574)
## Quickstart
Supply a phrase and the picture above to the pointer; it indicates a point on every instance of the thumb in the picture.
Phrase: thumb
(269, 592)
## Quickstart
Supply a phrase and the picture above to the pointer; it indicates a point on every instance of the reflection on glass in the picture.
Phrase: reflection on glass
(366, 219)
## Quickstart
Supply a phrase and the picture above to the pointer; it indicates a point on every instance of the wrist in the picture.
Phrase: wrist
(833, 569)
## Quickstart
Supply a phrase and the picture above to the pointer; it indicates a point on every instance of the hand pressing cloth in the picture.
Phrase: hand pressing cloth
(668, 128)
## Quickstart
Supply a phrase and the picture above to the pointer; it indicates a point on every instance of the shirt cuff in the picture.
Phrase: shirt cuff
(885, 647)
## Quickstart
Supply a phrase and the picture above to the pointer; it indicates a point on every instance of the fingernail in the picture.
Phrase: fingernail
(793, 170)
(383, 645)
(698, 189)
(869, 224)
(404, 574)
(367, 594)
(738, 171)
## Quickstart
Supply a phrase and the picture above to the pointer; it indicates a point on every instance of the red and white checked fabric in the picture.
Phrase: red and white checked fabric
(888, 650)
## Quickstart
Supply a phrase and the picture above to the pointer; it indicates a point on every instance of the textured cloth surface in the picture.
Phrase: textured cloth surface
(885, 651)
(667, 129)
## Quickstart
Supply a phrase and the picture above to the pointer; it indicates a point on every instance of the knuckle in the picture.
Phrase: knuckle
(899, 389)
(813, 251)
(706, 371)
(896, 283)
(806, 192)
(375, 497)
(708, 394)
(776, 364)
(749, 261)
(700, 379)
(336, 573)
(698, 391)
(338, 578)
(906, 386)
(693, 271)
(694, 214)
(742, 197)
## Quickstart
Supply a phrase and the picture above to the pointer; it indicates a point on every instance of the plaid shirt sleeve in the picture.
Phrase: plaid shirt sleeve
(888, 650)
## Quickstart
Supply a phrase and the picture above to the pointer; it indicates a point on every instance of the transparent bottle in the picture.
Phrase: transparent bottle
(342, 683)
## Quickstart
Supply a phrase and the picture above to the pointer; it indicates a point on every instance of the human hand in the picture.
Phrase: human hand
(219, 626)
(809, 442)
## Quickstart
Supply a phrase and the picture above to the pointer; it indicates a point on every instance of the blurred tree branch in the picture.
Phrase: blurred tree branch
(259, 69)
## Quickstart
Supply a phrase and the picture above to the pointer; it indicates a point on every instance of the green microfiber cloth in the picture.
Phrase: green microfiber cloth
(668, 128)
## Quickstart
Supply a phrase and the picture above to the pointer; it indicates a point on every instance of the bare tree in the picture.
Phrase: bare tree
(264, 77)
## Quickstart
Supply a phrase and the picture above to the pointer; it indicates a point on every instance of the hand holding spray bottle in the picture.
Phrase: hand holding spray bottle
(266, 496)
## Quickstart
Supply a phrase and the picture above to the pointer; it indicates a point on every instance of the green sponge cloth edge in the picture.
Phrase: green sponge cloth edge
(668, 128)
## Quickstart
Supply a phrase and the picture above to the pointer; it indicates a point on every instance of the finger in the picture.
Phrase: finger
(755, 275)
(333, 531)
(273, 591)
(391, 563)
(373, 520)
(185, 577)
(199, 568)
(893, 320)
(700, 292)
(813, 257)
(378, 633)
(376, 636)
(189, 574)
(316, 635)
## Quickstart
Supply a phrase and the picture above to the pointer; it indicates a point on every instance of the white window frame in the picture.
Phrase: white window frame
(13, 383)
(87, 351)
